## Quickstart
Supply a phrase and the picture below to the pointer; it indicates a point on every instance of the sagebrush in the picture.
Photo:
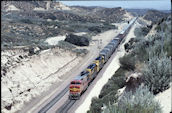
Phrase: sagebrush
(142, 101)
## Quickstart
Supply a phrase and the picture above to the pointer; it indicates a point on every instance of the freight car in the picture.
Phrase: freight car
(81, 82)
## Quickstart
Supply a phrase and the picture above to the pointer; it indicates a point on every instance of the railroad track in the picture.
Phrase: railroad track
(56, 99)
(65, 107)
(68, 104)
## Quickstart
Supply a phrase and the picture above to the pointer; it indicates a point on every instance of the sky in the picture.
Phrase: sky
(151, 4)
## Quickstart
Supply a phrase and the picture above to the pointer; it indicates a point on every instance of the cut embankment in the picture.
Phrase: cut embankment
(34, 76)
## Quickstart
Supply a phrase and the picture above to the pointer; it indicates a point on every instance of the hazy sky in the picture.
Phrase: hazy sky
(151, 4)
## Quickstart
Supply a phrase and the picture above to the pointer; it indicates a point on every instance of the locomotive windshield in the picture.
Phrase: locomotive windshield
(98, 58)
(84, 73)
(72, 83)
(75, 82)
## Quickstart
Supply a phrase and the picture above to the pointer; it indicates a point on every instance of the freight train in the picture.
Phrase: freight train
(81, 82)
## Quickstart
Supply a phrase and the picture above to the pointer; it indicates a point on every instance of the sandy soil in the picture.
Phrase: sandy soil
(32, 77)
(164, 99)
(80, 33)
(55, 40)
(106, 75)
(128, 16)
(39, 9)
(61, 6)
(12, 8)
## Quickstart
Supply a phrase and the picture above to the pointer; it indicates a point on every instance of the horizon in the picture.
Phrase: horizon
(157, 5)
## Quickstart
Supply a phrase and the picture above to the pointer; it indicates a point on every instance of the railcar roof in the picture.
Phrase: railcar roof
(79, 77)
(108, 46)
(116, 39)
(104, 51)
(98, 58)
(91, 66)
(84, 73)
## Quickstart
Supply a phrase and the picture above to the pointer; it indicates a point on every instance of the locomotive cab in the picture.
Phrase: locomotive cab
(75, 89)
(78, 85)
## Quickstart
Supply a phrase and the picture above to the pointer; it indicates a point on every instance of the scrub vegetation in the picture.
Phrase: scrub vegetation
(142, 101)
(149, 55)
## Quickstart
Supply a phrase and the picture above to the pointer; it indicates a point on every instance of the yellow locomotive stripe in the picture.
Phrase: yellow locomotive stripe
(103, 59)
(90, 73)
(74, 89)
(89, 70)
(97, 64)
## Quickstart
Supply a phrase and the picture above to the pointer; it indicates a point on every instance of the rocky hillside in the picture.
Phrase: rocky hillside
(104, 14)
(111, 14)
(33, 5)
(32, 22)
(155, 15)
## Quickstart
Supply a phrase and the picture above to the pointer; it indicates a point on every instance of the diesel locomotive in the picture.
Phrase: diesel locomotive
(81, 82)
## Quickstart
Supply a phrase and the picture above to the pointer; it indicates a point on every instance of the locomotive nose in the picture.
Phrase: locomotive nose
(74, 88)
(74, 91)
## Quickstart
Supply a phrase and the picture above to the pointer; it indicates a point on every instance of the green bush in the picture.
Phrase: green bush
(157, 73)
(168, 46)
(116, 82)
(96, 105)
(141, 47)
(66, 45)
(140, 50)
(80, 51)
(142, 31)
(27, 21)
(109, 91)
(168, 41)
(127, 62)
(142, 101)
(137, 32)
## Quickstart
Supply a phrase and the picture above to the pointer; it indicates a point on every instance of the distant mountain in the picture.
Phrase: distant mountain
(139, 12)
(155, 15)
(166, 11)
(142, 12)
